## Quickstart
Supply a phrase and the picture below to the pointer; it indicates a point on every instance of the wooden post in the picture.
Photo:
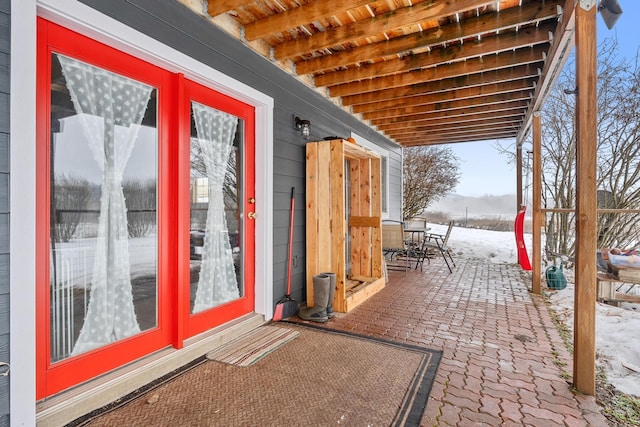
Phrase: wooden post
(584, 355)
(536, 196)
(518, 176)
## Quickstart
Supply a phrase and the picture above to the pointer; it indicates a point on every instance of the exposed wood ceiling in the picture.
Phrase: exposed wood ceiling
(420, 71)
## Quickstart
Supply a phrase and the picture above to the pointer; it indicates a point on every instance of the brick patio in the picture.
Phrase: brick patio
(504, 362)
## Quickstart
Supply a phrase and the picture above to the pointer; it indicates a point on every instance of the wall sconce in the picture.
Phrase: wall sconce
(610, 11)
(304, 126)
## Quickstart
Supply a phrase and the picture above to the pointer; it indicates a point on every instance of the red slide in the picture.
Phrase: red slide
(518, 227)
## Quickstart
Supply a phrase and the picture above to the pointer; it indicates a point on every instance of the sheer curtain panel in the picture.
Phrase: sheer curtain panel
(217, 283)
(111, 109)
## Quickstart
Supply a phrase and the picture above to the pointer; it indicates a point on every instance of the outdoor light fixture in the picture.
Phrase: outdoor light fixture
(610, 11)
(304, 126)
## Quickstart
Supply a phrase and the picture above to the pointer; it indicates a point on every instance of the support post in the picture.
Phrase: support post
(518, 176)
(536, 212)
(584, 355)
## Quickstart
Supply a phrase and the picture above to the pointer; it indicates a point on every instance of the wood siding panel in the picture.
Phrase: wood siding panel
(4, 113)
(4, 192)
(4, 152)
(4, 274)
(4, 76)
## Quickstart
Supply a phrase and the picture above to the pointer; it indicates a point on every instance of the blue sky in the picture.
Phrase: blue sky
(484, 170)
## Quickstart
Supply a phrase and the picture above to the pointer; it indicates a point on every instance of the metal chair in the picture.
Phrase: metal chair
(438, 243)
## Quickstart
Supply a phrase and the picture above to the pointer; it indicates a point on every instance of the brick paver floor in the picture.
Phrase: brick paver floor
(504, 362)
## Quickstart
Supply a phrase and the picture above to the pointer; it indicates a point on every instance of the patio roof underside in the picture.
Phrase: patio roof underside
(420, 71)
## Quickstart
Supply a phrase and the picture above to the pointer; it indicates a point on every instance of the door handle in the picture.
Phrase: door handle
(251, 215)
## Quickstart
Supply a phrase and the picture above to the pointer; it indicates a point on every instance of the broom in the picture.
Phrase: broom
(287, 306)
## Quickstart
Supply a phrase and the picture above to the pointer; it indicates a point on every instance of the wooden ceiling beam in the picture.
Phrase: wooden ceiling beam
(295, 17)
(443, 115)
(457, 52)
(465, 119)
(456, 141)
(427, 11)
(454, 95)
(495, 76)
(452, 105)
(444, 139)
(496, 127)
(218, 7)
(529, 13)
(458, 127)
(457, 69)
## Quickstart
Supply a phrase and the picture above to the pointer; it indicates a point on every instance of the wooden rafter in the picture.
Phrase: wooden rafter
(455, 128)
(452, 139)
(458, 121)
(450, 105)
(461, 131)
(380, 24)
(439, 98)
(299, 16)
(451, 114)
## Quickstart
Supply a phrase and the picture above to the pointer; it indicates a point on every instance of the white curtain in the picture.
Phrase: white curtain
(111, 108)
(217, 283)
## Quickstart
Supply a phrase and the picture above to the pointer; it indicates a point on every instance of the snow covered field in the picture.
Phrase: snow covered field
(617, 329)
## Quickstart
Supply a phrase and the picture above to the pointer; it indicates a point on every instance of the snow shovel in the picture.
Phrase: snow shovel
(287, 306)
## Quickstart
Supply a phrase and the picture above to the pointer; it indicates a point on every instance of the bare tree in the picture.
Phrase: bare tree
(140, 198)
(618, 145)
(430, 172)
(72, 195)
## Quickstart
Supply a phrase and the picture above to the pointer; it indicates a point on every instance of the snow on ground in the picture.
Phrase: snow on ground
(617, 329)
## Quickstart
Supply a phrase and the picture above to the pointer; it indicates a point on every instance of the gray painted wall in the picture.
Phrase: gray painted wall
(179, 27)
(5, 48)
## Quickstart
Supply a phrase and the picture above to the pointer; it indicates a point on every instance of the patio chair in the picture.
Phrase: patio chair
(393, 246)
(414, 235)
(438, 243)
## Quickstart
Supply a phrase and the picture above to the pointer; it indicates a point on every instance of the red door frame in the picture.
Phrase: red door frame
(200, 322)
(174, 322)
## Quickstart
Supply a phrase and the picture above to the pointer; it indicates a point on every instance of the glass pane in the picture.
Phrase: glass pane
(103, 228)
(216, 225)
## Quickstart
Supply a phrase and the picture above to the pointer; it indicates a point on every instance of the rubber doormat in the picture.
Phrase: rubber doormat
(253, 346)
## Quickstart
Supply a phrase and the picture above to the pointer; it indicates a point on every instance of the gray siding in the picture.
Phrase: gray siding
(177, 26)
(5, 48)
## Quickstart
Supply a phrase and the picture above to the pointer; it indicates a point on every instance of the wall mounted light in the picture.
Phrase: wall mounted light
(610, 11)
(304, 126)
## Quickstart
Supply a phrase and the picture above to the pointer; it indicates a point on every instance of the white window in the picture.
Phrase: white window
(384, 169)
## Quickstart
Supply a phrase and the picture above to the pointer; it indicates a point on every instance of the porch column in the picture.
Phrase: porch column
(536, 212)
(584, 355)
(518, 175)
